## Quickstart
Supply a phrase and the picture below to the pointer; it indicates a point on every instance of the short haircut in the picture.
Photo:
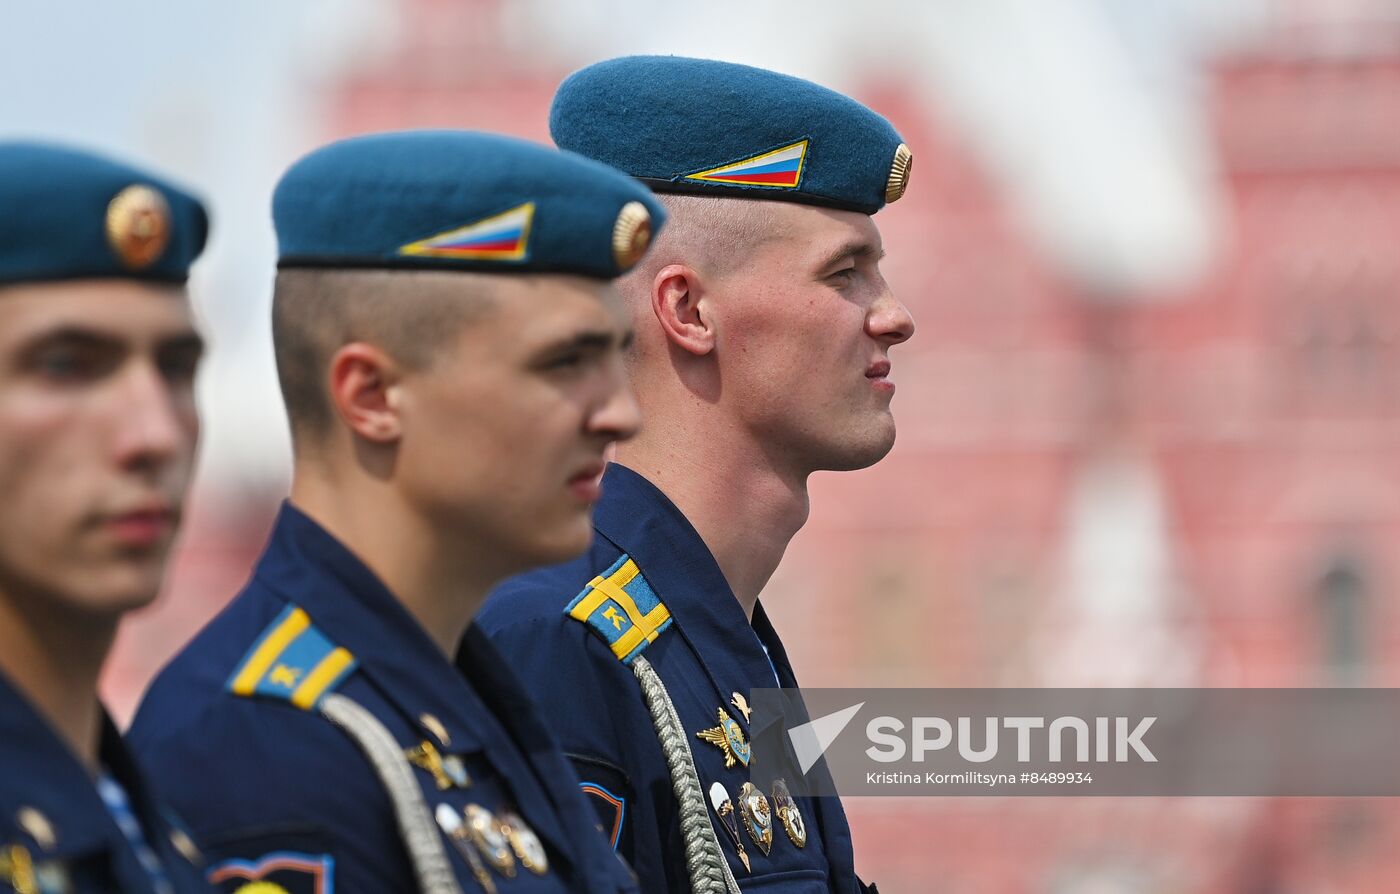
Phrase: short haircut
(711, 233)
(411, 315)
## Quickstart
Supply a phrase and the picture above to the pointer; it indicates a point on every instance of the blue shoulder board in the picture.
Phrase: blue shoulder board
(293, 662)
(621, 607)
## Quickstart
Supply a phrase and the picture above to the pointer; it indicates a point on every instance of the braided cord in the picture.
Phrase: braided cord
(708, 869)
(416, 825)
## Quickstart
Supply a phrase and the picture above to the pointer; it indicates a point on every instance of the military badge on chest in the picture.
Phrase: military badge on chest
(33, 873)
(26, 875)
(758, 818)
(487, 839)
(752, 809)
(729, 738)
(492, 843)
(788, 813)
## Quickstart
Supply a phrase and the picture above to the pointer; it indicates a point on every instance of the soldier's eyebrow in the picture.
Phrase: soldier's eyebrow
(72, 337)
(191, 342)
(855, 249)
(591, 340)
(86, 338)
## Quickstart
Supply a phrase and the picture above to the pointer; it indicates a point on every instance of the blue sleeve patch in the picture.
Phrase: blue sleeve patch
(612, 809)
(292, 661)
(289, 871)
(621, 607)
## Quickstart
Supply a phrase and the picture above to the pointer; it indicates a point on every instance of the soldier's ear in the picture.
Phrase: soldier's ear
(363, 383)
(680, 304)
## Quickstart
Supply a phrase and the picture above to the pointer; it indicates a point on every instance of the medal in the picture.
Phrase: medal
(485, 832)
(447, 771)
(742, 704)
(729, 738)
(786, 809)
(38, 827)
(434, 726)
(758, 818)
(456, 831)
(526, 844)
(724, 809)
(17, 870)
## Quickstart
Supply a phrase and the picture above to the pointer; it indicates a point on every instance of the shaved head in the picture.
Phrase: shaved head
(713, 235)
(411, 315)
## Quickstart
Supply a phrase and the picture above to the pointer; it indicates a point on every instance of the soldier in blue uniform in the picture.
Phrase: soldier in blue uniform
(448, 342)
(761, 356)
(97, 440)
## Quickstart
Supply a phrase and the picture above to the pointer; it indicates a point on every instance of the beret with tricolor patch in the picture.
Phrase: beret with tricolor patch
(697, 125)
(460, 200)
(71, 214)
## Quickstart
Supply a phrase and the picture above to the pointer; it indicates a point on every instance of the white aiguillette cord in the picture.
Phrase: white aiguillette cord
(709, 870)
(417, 826)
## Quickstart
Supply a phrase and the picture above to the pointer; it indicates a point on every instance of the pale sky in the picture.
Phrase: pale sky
(1074, 107)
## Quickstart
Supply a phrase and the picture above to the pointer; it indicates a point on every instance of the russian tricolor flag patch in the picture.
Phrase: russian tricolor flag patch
(779, 168)
(501, 237)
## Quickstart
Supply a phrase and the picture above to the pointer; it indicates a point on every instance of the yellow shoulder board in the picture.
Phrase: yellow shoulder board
(621, 607)
(292, 661)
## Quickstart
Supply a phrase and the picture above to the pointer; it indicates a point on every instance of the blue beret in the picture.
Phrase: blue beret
(460, 200)
(697, 125)
(69, 214)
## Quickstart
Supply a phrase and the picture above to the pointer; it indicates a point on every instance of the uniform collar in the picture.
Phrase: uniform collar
(349, 604)
(641, 521)
(305, 564)
(42, 772)
(637, 518)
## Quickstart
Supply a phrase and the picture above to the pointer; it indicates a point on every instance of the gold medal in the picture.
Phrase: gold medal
(742, 704)
(434, 726)
(729, 738)
(758, 818)
(724, 809)
(447, 771)
(786, 809)
(38, 827)
(485, 832)
(526, 844)
(456, 831)
(17, 870)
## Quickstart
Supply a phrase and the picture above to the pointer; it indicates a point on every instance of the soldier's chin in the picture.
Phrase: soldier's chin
(567, 540)
(869, 445)
(112, 594)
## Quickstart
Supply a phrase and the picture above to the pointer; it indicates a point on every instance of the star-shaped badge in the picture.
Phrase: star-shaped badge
(729, 738)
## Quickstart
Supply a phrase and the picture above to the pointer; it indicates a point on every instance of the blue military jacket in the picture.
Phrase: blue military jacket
(57, 834)
(276, 792)
(705, 653)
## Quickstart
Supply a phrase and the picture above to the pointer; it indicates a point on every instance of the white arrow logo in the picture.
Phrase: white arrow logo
(812, 739)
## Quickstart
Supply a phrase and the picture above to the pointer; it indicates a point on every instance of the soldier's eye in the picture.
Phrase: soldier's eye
(566, 361)
(71, 363)
(180, 365)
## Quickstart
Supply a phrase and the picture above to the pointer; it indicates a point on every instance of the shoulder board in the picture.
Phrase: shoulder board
(293, 662)
(621, 607)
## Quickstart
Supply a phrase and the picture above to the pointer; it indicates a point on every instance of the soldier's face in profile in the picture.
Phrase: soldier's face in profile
(504, 433)
(97, 438)
(808, 321)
